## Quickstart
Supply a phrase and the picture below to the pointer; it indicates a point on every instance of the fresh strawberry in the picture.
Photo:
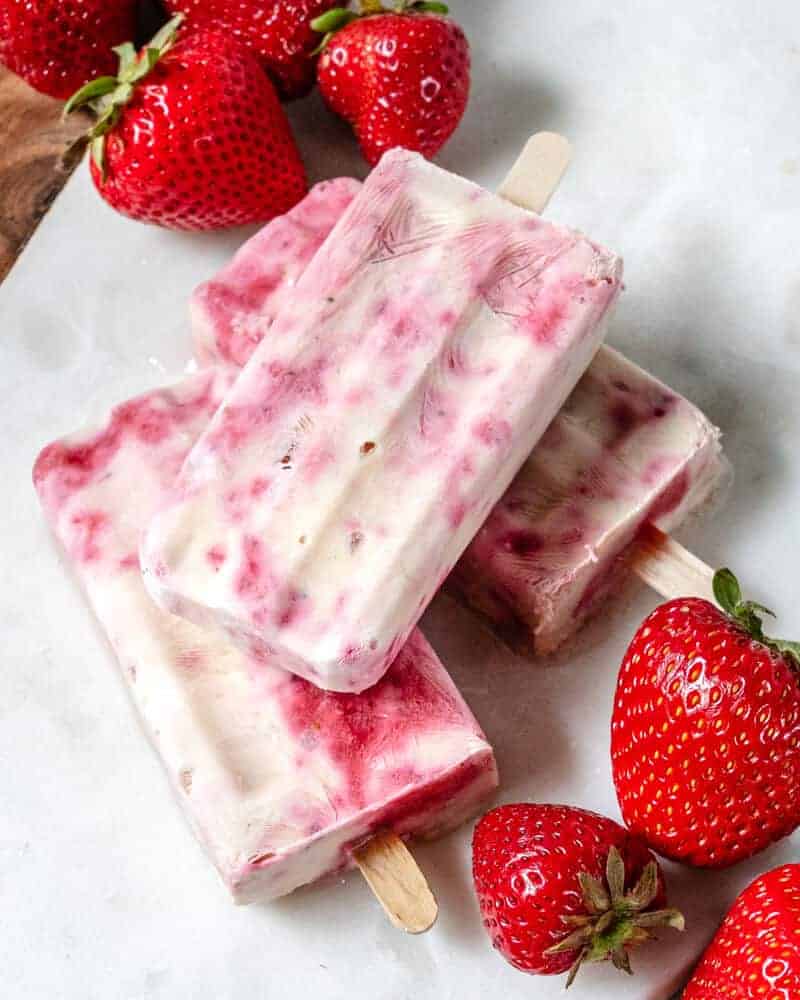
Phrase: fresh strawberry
(551, 887)
(400, 78)
(705, 734)
(756, 953)
(280, 32)
(191, 135)
(56, 47)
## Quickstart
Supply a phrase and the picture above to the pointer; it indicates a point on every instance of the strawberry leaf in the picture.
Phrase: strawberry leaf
(329, 23)
(615, 876)
(790, 649)
(430, 8)
(98, 153)
(750, 607)
(122, 94)
(729, 597)
(727, 591)
(748, 615)
(143, 66)
(89, 92)
(332, 20)
(127, 59)
(164, 38)
(595, 897)
(661, 918)
(645, 890)
(573, 972)
(619, 958)
(574, 940)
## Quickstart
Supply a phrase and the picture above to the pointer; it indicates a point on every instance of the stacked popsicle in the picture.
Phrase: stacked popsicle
(406, 345)
(279, 780)
(426, 347)
(625, 452)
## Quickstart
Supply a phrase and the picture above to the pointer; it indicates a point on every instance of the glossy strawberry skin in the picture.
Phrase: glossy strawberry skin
(57, 46)
(204, 142)
(279, 32)
(705, 737)
(399, 79)
(756, 952)
(526, 859)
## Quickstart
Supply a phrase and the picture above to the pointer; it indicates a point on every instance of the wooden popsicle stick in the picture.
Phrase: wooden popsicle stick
(533, 179)
(385, 862)
(662, 563)
(397, 882)
(670, 569)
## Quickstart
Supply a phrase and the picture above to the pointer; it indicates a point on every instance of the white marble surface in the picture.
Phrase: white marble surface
(686, 125)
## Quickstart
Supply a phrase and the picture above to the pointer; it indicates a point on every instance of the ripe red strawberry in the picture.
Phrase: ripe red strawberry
(756, 953)
(191, 135)
(400, 79)
(56, 47)
(280, 32)
(705, 734)
(551, 883)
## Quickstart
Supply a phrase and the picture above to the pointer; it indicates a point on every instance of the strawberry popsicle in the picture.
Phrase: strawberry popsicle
(280, 781)
(558, 542)
(625, 451)
(427, 346)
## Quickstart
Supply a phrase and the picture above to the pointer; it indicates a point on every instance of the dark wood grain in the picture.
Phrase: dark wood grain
(33, 167)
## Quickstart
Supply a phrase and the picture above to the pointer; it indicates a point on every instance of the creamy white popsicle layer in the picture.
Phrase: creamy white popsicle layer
(426, 347)
(280, 781)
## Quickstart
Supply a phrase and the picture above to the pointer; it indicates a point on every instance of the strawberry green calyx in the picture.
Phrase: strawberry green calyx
(331, 21)
(107, 95)
(403, 7)
(615, 920)
(748, 614)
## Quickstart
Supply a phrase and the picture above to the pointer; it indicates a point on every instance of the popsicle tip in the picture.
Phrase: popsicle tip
(537, 173)
(553, 140)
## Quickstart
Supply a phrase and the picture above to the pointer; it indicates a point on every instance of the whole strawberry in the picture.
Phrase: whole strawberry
(56, 47)
(279, 32)
(551, 883)
(756, 953)
(705, 733)
(191, 135)
(400, 78)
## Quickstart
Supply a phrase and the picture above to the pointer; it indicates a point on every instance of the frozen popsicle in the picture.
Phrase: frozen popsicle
(281, 782)
(427, 346)
(624, 452)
